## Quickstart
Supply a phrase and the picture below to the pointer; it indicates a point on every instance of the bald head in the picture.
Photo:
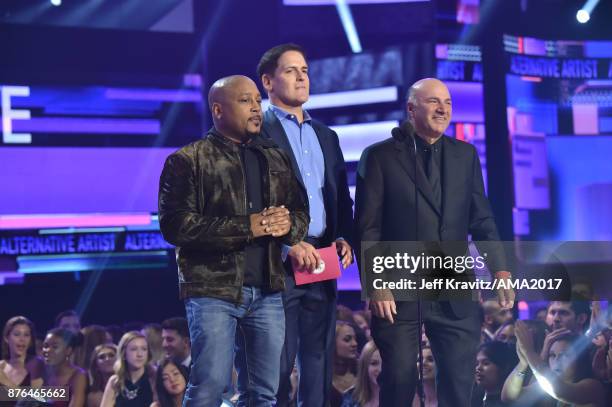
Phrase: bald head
(219, 90)
(429, 108)
(494, 315)
(423, 84)
(235, 104)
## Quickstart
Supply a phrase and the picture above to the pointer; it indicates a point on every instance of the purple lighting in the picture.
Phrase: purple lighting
(92, 126)
(72, 220)
(162, 95)
(80, 180)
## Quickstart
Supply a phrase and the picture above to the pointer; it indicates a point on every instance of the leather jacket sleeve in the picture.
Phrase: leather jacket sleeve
(182, 224)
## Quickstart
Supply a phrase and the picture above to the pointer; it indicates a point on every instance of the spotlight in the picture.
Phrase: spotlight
(346, 17)
(56, 3)
(545, 384)
(583, 16)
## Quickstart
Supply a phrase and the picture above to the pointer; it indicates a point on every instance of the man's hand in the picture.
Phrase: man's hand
(306, 256)
(277, 221)
(345, 252)
(505, 296)
(382, 304)
(258, 227)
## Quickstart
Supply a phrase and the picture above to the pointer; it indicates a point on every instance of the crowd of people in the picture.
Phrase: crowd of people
(561, 357)
(100, 366)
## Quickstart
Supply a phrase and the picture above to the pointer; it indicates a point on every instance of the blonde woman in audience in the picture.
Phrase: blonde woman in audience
(17, 350)
(365, 391)
(59, 371)
(345, 361)
(133, 383)
(100, 370)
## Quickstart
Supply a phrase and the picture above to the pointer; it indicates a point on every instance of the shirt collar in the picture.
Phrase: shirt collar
(283, 114)
(425, 145)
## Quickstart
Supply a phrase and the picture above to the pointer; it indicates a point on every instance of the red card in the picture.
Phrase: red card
(329, 269)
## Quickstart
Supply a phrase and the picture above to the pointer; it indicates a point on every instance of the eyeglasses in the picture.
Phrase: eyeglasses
(105, 356)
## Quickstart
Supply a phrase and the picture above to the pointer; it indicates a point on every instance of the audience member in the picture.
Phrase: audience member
(170, 383)
(345, 361)
(68, 320)
(17, 351)
(365, 391)
(505, 333)
(93, 335)
(493, 317)
(565, 375)
(58, 347)
(133, 383)
(363, 320)
(175, 340)
(153, 333)
(100, 370)
(494, 362)
(429, 380)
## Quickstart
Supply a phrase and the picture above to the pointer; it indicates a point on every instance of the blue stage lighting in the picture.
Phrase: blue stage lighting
(349, 25)
(583, 16)
(56, 3)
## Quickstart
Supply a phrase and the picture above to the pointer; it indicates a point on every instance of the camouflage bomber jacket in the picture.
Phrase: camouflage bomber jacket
(203, 212)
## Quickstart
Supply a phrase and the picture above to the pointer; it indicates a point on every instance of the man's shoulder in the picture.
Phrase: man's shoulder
(379, 148)
(190, 151)
(460, 146)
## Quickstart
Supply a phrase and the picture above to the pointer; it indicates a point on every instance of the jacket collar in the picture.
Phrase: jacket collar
(256, 141)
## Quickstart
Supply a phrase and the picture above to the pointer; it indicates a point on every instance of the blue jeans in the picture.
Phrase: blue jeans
(214, 324)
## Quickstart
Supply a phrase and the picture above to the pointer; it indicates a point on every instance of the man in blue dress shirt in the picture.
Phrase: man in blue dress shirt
(314, 150)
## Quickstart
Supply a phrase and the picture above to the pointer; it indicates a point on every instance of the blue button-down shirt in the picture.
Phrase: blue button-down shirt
(309, 157)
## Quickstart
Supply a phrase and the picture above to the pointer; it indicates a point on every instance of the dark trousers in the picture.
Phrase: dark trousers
(310, 320)
(454, 343)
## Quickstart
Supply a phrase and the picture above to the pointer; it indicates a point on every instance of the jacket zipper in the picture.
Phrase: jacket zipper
(246, 211)
(269, 181)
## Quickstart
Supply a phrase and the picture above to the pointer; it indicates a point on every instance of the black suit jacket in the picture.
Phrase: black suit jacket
(386, 206)
(338, 202)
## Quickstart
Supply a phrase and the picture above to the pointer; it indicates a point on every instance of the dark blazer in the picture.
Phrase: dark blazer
(338, 202)
(386, 204)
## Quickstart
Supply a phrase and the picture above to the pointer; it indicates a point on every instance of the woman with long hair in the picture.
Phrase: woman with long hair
(365, 391)
(18, 337)
(57, 350)
(345, 361)
(565, 376)
(429, 379)
(494, 362)
(93, 335)
(133, 381)
(170, 383)
(100, 370)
